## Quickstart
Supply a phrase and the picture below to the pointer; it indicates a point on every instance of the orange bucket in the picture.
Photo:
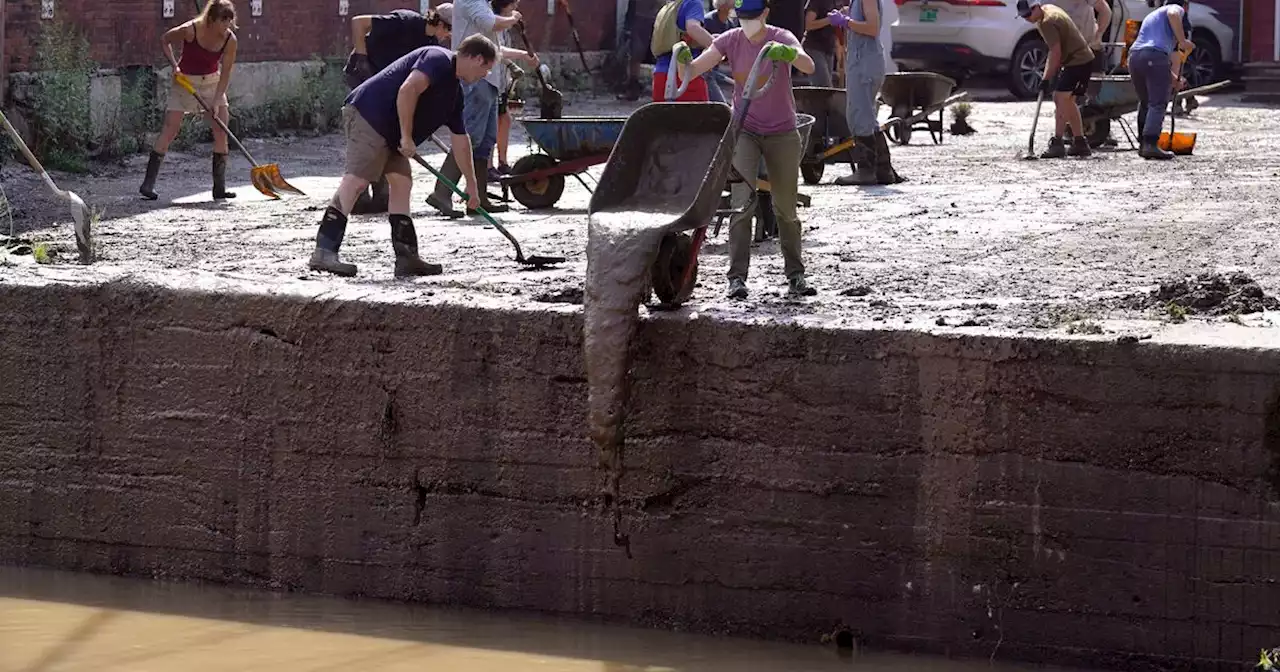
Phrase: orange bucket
(1181, 144)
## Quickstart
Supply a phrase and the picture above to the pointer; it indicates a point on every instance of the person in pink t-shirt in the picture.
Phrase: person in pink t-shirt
(769, 131)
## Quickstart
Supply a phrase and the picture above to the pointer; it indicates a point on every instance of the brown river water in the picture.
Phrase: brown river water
(52, 621)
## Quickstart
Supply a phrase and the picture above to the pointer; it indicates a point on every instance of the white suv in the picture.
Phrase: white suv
(960, 38)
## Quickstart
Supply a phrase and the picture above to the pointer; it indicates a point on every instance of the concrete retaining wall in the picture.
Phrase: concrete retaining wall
(1082, 502)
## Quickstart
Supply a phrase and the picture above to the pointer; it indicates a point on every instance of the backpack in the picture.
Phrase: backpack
(665, 31)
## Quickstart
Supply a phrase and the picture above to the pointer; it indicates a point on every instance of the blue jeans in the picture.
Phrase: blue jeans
(1152, 72)
(480, 117)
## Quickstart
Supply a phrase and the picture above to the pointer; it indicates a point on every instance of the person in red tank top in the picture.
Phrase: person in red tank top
(208, 56)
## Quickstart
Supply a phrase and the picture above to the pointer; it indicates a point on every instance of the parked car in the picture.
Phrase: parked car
(962, 38)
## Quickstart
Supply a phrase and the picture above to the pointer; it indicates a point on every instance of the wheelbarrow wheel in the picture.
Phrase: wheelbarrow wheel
(537, 194)
(666, 275)
(900, 133)
(812, 172)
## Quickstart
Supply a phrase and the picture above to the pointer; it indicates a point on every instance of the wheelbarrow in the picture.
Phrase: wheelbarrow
(830, 138)
(1111, 97)
(766, 219)
(909, 93)
(569, 146)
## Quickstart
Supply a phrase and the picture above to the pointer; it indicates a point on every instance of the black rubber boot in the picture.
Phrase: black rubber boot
(1080, 147)
(220, 178)
(148, 188)
(885, 174)
(1057, 149)
(333, 228)
(404, 242)
(863, 163)
(441, 200)
(482, 181)
(1150, 149)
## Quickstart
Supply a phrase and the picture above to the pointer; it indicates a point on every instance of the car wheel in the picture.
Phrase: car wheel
(1205, 61)
(1026, 68)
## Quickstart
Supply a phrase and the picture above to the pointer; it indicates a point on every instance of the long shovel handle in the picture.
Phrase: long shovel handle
(1035, 122)
(31, 158)
(186, 85)
(489, 218)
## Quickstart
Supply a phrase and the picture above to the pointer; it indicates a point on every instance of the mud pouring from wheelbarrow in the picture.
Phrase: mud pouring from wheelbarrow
(663, 179)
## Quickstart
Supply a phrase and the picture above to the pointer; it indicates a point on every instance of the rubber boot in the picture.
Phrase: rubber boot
(1150, 149)
(1080, 147)
(441, 200)
(220, 178)
(148, 188)
(863, 163)
(404, 242)
(1057, 149)
(482, 180)
(333, 227)
(885, 174)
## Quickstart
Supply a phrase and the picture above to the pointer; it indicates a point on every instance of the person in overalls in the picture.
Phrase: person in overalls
(864, 71)
(1155, 62)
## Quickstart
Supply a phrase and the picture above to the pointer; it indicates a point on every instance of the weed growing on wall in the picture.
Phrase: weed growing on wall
(313, 103)
(60, 119)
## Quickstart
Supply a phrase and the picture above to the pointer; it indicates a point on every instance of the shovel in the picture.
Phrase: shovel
(1035, 122)
(1183, 144)
(576, 40)
(265, 178)
(80, 214)
(550, 100)
(535, 260)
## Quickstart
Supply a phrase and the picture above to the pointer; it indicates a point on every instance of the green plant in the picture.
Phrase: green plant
(961, 111)
(313, 103)
(42, 253)
(1177, 313)
(1269, 661)
(1234, 318)
(126, 131)
(61, 104)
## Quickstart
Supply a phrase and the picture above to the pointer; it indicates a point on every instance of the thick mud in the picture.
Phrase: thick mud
(1212, 294)
(975, 238)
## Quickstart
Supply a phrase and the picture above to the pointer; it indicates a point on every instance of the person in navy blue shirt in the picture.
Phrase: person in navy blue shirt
(719, 20)
(385, 119)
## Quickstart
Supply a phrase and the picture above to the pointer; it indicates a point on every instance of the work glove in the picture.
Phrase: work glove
(784, 53)
(838, 19)
(1047, 84)
(357, 69)
(684, 55)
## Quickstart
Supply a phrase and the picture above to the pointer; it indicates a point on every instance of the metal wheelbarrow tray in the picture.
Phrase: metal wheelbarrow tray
(569, 146)
(906, 93)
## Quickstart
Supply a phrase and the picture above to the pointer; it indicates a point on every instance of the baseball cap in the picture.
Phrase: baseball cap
(1025, 8)
(445, 12)
(750, 7)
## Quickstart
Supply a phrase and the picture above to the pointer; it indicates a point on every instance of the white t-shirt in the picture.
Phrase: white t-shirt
(1083, 15)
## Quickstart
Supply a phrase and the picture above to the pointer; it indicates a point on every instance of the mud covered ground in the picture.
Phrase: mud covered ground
(976, 240)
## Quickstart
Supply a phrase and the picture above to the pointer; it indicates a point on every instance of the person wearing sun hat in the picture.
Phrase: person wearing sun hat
(769, 131)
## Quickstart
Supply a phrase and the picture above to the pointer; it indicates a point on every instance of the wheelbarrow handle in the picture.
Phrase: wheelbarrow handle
(749, 92)
(926, 112)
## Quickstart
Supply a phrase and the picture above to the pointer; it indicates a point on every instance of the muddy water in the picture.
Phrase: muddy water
(56, 621)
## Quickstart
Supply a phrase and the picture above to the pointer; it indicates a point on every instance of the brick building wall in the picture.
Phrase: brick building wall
(127, 32)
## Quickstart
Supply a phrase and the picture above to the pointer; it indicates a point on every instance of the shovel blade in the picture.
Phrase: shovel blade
(262, 183)
(542, 260)
(270, 177)
(81, 221)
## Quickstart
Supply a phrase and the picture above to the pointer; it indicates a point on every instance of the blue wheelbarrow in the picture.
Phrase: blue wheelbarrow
(569, 146)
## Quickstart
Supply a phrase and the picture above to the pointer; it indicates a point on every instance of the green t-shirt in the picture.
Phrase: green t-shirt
(1057, 28)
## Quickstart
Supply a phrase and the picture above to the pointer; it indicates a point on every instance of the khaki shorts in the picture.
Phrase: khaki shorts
(368, 155)
(205, 85)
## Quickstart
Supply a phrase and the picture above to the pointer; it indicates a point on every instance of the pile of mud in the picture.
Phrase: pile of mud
(1210, 294)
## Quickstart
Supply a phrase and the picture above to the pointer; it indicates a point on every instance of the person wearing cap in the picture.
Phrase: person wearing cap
(769, 132)
(1155, 63)
(1066, 74)
(476, 17)
(378, 40)
(683, 19)
(864, 72)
